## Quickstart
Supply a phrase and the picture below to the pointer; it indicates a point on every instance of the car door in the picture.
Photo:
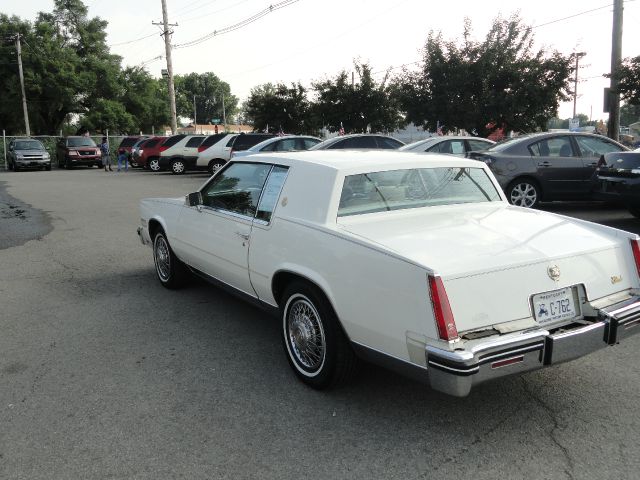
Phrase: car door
(558, 168)
(214, 237)
(475, 145)
(190, 150)
(591, 149)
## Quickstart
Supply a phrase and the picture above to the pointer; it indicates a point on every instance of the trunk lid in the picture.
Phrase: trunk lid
(494, 257)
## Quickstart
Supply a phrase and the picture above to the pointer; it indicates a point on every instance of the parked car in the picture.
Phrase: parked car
(215, 151)
(287, 143)
(27, 153)
(359, 141)
(244, 141)
(422, 266)
(179, 153)
(148, 153)
(618, 180)
(452, 145)
(547, 166)
(73, 151)
(129, 143)
(134, 153)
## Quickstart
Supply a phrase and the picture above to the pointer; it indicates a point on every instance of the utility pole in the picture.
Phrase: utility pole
(24, 96)
(224, 116)
(167, 46)
(578, 56)
(195, 122)
(613, 130)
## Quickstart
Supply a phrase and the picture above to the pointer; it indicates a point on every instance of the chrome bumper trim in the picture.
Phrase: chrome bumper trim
(456, 372)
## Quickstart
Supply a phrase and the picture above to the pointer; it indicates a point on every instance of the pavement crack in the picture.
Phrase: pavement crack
(556, 426)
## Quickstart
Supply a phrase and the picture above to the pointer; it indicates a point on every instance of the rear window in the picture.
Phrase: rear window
(194, 142)
(128, 141)
(212, 140)
(389, 143)
(414, 188)
(246, 141)
(171, 141)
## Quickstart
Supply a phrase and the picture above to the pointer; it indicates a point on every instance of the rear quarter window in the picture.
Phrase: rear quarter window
(194, 142)
(171, 141)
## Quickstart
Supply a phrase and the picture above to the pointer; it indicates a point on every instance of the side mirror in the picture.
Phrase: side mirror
(193, 199)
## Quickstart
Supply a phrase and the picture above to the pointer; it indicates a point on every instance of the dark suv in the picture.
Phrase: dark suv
(72, 151)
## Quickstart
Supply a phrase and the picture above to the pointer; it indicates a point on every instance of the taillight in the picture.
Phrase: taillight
(635, 248)
(442, 310)
(163, 148)
(201, 148)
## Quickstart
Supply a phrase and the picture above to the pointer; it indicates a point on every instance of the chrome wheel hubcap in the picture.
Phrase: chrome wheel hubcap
(162, 258)
(178, 167)
(154, 165)
(306, 335)
(523, 195)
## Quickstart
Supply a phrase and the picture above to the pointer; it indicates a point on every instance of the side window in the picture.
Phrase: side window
(194, 142)
(308, 143)
(286, 145)
(552, 147)
(237, 189)
(271, 193)
(594, 147)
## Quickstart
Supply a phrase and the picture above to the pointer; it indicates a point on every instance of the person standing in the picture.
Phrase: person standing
(122, 159)
(106, 154)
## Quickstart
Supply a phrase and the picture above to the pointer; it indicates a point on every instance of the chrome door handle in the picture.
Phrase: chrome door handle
(244, 236)
(544, 164)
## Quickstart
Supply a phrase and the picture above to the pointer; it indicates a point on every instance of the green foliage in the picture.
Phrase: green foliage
(359, 105)
(208, 90)
(279, 107)
(628, 76)
(629, 113)
(499, 81)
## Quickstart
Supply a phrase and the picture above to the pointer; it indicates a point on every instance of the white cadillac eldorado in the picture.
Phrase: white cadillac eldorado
(415, 263)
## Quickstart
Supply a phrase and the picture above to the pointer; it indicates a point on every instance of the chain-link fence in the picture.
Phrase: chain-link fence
(50, 143)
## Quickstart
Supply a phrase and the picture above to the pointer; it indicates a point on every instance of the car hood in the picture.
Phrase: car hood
(467, 239)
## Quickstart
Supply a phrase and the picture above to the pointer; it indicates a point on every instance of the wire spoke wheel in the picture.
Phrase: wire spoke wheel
(162, 258)
(306, 335)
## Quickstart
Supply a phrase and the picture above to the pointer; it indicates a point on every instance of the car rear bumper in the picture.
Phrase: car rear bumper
(456, 372)
(143, 235)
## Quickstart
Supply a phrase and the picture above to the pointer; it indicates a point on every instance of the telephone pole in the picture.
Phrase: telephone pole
(24, 96)
(613, 129)
(578, 56)
(167, 46)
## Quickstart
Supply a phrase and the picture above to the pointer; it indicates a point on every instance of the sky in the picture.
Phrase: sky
(311, 40)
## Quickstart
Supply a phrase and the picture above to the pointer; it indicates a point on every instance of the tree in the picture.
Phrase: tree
(628, 76)
(208, 90)
(629, 113)
(279, 107)
(500, 82)
(358, 106)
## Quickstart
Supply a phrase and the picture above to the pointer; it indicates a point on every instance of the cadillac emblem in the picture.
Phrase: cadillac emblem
(554, 272)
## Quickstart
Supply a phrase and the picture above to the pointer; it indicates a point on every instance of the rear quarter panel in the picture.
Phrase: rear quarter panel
(379, 299)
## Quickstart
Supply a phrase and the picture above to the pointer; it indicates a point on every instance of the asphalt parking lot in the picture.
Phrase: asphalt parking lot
(105, 374)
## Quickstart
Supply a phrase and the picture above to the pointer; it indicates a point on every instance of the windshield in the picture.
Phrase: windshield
(28, 145)
(80, 142)
(414, 188)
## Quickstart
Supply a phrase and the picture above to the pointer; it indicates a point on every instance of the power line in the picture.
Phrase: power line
(191, 19)
(133, 41)
(572, 16)
(241, 24)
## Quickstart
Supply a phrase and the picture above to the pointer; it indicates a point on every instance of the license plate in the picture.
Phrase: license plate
(554, 306)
